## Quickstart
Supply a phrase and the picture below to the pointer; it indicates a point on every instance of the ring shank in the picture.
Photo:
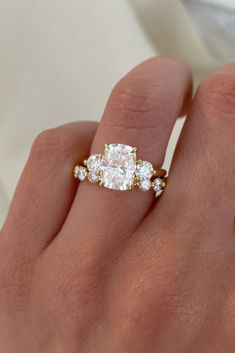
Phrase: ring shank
(160, 172)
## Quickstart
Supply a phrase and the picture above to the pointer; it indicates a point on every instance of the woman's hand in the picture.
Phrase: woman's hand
(87, 269)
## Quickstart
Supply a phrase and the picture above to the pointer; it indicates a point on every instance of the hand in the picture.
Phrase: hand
(91, 270)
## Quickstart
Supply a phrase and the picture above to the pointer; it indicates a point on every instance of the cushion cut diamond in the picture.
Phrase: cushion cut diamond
(118, 166)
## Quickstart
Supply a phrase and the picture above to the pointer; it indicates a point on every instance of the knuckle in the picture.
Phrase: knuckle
(48, 139)
(149, 298)
(74, 288)
(216, 97)
(136, 106)
(50, 143)
(156, 294)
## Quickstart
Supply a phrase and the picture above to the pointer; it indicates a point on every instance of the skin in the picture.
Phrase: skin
(91, 270)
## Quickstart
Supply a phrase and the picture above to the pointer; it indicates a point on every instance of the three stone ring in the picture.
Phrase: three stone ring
(119, 169)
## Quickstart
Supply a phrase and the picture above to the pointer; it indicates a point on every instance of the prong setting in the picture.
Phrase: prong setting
(134, 149)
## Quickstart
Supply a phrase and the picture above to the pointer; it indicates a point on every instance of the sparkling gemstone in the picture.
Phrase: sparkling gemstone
(93, 177)
(80, 172)
(145, 185)
(158, 184)
(144, 170)
(75, 171)
(93, 163)
(118, 166)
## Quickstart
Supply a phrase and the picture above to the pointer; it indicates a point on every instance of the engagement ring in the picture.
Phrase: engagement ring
(119, 169)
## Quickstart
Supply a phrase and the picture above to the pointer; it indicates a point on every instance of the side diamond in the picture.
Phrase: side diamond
(80, 172)
(144, 170)
(76, 171)
(145, 185)
(93, 163)
(158, 186)
(158, 183)
(93, 177)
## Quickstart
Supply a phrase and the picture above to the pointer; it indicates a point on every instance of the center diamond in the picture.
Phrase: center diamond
(118, 167)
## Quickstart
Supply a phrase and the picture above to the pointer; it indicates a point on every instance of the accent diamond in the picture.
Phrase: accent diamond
(158, 186)
(118, 166)
(93, 177)
(145, 185)
(144, 170)
(80, 172)
(93, 162)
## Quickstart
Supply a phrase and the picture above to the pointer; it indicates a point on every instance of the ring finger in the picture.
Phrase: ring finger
(141, 112)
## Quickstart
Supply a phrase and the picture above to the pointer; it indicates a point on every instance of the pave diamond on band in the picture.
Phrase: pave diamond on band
(118, 169)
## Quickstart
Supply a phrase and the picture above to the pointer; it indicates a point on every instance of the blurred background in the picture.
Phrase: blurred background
(59, 60)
